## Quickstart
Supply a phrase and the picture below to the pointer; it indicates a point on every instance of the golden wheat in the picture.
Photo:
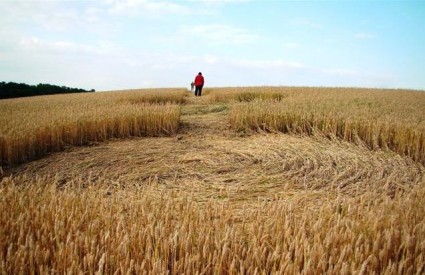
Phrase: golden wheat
(153, 96)
(381, 119)
(217, 202)
(48, 229)
(33, 127)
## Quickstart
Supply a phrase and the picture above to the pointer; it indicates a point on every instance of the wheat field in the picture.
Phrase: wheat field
(33, 127)
(392, 119)
(140, 231)
(252, 180)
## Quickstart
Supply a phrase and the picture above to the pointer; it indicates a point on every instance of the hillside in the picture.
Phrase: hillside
(221, 197)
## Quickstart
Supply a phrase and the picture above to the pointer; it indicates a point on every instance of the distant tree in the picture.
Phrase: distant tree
(13, 90)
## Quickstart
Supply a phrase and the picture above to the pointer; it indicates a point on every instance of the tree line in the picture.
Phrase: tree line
(13, 90)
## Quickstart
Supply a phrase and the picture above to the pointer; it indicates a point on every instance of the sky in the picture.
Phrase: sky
(129, 44)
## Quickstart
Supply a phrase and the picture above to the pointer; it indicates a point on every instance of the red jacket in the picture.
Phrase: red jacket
(199, 80)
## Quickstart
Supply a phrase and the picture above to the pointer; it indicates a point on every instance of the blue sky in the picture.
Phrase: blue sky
(122, 44)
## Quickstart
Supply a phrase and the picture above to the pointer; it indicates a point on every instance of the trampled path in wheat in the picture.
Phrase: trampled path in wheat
(204, 119)
(211, 161)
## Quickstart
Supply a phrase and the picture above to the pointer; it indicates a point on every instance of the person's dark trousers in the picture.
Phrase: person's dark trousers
(198, 90)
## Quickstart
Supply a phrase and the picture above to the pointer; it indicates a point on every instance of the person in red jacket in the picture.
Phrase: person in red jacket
(199, 83)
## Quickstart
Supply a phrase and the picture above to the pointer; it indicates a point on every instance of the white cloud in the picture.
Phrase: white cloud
(222, 34)
(65, 47)
(331, 40)
(77, 43)
(211, 59)
(306, 22)
(291, 45)
(341, 72)
(220, 1)
(265, 64)
(355, 78)
(55, 16)
(149, 6)
(364, 36)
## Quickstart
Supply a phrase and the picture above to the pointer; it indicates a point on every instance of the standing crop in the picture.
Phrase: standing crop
(33, 127)
(392, 120)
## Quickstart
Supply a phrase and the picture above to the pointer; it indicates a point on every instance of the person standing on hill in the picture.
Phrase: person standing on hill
(199, 83)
